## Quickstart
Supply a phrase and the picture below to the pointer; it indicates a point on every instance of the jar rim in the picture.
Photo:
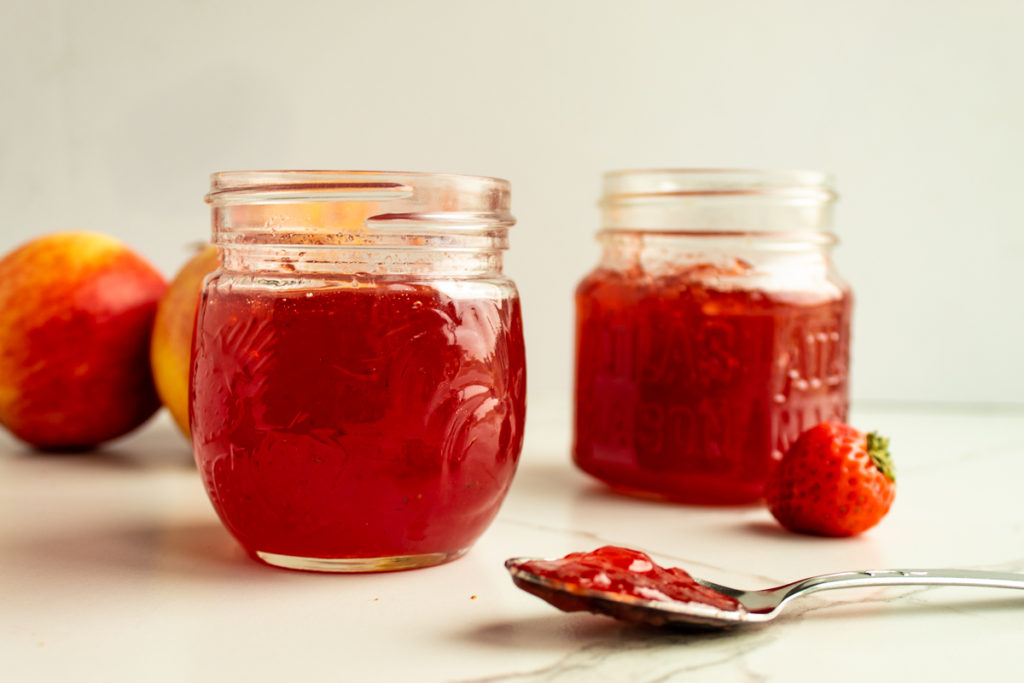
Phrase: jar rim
(297, 185)
(647, 183)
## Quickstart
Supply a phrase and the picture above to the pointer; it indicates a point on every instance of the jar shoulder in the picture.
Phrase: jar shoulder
(793, 286)
(277, 284)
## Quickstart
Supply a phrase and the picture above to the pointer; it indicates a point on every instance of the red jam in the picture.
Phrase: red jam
(626, 572)
(371, 422)
(691, 392)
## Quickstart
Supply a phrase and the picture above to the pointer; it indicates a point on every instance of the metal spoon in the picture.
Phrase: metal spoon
(755, 607)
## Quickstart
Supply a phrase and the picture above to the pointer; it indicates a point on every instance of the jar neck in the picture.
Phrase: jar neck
(355, 222)
(720, 200)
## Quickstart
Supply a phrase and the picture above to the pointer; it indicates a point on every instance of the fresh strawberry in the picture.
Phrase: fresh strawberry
(833, 481)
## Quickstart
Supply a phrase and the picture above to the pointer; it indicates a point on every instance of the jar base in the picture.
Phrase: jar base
(357, 565)
(686, 489)
(691, 497)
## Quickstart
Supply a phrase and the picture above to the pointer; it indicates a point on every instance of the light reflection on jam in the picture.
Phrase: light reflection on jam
(625, 572)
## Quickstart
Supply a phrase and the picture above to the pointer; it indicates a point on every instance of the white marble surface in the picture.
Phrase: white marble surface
(113, 567)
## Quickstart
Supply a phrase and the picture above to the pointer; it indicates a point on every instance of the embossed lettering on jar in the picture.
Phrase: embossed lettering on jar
(358, 380)
(713, 331)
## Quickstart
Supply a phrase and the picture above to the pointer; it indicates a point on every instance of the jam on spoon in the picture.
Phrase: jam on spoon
(616, 581)
(628, 585)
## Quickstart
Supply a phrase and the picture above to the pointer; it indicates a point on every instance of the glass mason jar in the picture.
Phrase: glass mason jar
(358, 377)
(713, 331)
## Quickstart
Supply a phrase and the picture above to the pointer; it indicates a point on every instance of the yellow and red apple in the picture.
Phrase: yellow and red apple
(171, 349)
(76, 312)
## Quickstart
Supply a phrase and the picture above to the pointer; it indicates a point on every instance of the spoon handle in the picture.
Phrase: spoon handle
(903, 577)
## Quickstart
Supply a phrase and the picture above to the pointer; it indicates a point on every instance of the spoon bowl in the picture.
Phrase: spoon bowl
(753, 607)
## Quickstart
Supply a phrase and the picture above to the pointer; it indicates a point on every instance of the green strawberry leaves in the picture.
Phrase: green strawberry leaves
(878, 450)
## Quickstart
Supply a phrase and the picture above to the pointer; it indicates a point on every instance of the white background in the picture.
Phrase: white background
(112, 115)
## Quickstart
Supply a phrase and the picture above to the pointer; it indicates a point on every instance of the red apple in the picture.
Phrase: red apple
(76, 311)
(171, 348)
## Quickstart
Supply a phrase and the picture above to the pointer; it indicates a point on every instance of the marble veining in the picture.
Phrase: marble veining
(645, 654)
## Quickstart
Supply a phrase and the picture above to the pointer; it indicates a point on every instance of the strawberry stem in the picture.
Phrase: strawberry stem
(878, 450)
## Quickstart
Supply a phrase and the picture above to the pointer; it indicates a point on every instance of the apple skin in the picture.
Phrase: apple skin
(76, 312)
(171, 349)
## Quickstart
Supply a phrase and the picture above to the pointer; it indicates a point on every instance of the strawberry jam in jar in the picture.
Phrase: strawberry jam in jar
(712, 333)
(358, 375)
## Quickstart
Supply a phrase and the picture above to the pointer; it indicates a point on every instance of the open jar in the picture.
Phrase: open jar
(358, 375)
(712, 333)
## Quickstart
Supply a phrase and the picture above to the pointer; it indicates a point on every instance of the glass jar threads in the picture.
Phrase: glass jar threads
(358, 375)
(712, 332)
